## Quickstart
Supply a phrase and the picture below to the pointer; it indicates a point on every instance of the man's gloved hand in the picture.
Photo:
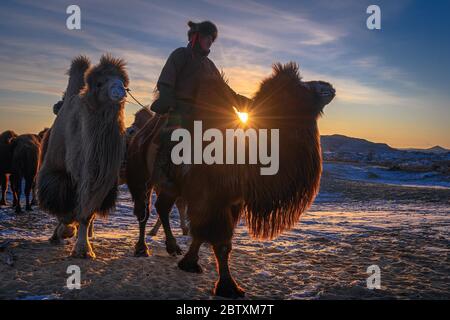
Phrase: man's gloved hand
(57, 106)
(165, 101)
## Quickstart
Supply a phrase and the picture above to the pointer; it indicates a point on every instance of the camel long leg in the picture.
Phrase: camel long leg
(163, 205)
(17, 191)
(219, 232)
(83, 248)
(142, 205)
(4, 185)
(91, 227)
(13, 190)
(155, 228)
(189, 263)
(28, 188)
(182, 209)
(33, 190)
(62, 231)
(84, 214)
(56, 237)
(226, 286)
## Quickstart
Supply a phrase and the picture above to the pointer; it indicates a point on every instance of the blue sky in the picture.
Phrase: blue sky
(392, 84)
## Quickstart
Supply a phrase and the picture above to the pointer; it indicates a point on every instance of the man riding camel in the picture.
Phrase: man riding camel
(185, 69)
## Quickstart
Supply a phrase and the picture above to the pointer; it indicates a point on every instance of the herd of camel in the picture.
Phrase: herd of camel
(77, 164)
(19, 160)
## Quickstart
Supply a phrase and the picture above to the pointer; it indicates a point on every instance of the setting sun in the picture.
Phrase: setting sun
(243, 116)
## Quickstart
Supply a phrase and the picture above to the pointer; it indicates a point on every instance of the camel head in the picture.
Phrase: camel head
(323, 91)
(42, 133)
(7, 137)
(106, 82)
(283, 98)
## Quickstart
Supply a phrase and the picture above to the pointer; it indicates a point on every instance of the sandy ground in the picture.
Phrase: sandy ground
(352, 225)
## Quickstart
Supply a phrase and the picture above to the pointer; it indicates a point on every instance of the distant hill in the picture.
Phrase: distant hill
(341, 143)
(435, 149)
(341, 148)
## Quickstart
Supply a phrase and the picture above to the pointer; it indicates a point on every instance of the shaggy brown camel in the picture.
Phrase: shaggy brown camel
(218, 196)
(25, 165)
(79, 68)
(80, 171)
(6, 151)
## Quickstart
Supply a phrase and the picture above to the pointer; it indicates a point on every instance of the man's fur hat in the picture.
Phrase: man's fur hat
(204, 28)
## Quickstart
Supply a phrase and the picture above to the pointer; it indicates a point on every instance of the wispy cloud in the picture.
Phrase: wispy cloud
(266, 22)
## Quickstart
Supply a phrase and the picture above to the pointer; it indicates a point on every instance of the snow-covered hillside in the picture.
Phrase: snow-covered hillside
(346, 149)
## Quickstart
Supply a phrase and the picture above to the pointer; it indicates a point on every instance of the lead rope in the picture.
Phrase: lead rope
(129, 92)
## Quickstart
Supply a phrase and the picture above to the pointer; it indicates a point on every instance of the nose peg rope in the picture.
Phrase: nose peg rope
(116, 90)
(129, 92)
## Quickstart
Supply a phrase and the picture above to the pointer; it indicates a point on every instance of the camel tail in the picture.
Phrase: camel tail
(56, 192)
(76, 75)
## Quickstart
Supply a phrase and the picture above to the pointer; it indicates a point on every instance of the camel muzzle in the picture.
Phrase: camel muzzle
(116, 90)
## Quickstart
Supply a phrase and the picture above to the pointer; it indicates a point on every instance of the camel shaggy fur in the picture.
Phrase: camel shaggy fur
(80, 170)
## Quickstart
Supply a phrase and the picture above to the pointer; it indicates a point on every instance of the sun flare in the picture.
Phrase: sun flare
(243, 116)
